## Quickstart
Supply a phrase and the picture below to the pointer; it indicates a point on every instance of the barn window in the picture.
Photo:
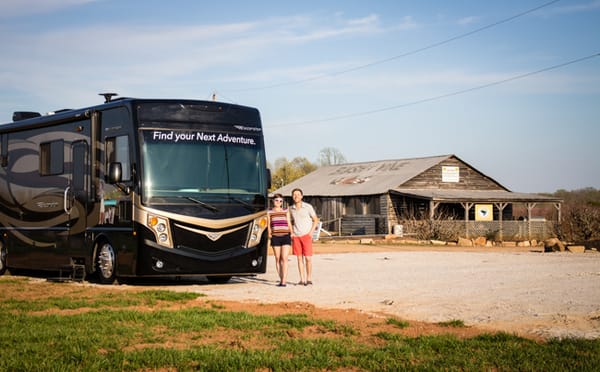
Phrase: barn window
(362, 205)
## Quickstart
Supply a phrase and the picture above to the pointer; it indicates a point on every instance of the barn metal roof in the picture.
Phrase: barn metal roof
(369, 178)
(380, 177)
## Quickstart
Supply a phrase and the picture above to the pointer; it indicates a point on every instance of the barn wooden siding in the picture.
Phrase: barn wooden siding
(469, 178)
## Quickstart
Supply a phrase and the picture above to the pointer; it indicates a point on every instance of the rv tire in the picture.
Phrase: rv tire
(105, 263)
(217, 279)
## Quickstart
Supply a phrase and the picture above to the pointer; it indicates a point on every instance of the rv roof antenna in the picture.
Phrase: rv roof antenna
(108, 96)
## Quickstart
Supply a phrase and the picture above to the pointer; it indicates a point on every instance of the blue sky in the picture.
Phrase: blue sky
(511, 91)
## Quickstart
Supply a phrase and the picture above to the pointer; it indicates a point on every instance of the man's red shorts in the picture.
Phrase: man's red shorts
(302, 245)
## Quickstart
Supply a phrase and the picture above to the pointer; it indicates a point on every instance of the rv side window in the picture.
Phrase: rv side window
(117, 150)
(52, 158)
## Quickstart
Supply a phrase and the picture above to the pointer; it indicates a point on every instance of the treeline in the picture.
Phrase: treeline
(588, 195)
(284, 171)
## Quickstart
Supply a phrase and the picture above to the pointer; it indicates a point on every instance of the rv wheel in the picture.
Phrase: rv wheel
(106, 264)
(2, 258)
(218, 279)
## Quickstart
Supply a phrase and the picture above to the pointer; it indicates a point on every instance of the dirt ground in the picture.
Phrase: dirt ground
(517, 290)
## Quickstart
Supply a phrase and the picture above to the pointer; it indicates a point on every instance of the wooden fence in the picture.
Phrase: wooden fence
(491, 230)
(353, 225)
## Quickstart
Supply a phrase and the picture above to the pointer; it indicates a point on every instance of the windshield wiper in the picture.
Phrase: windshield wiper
(205, 205)
(247, 205)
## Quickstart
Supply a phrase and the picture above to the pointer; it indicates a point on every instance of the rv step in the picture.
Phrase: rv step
(68, 273)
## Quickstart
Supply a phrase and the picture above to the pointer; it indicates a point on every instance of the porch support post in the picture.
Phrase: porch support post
(501, 207)
(558, 207)
(432, 207)
(467, 206)
(530, 207)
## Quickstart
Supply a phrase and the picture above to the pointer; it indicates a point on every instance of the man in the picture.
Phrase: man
(304, 223)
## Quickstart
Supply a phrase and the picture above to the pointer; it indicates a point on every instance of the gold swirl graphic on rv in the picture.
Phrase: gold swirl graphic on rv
(29, 241)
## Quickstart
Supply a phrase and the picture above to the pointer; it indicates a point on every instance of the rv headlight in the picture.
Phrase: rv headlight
(258, 227)
(159, 226)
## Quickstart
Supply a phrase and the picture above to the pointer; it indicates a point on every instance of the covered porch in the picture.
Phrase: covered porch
(495, 214)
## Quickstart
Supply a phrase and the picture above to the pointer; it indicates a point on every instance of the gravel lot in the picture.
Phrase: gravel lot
(520, 291)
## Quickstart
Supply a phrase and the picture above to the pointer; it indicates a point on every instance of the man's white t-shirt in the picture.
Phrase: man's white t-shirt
(302, 218)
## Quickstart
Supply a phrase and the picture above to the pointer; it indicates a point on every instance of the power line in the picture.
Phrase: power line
(435, 98)
(389, 59)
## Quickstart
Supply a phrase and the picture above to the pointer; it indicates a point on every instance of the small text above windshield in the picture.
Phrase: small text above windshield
(199, 136)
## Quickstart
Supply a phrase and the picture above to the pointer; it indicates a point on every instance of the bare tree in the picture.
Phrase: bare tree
(581, 214)
(331, 156)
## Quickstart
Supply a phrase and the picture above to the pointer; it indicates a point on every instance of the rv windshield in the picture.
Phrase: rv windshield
(202, 167)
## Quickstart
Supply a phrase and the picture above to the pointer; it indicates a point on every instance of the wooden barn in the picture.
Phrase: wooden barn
(440, 196)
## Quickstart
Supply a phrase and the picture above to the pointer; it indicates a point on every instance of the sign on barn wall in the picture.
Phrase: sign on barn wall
(484, 212)
(450, 174)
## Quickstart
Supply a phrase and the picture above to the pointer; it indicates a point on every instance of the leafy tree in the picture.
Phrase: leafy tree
(286, 171)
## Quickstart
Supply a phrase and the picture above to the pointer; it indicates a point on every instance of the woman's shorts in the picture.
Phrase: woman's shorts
(277, 241)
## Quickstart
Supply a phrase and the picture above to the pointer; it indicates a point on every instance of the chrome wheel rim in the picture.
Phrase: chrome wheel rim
(106, 261)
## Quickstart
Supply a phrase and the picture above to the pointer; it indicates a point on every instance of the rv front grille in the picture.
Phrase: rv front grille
(208, 240)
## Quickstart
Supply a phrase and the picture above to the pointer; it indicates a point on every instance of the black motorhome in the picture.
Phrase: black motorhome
(135, 188)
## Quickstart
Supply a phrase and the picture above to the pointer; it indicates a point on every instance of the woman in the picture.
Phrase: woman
(280, 228)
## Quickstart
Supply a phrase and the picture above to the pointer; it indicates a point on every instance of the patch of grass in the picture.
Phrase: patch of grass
(83, 300)
(151, 297)
(116, 338)
(454, 323)
(389, 336)
(217, 306)
(11, 280)
(398, 323)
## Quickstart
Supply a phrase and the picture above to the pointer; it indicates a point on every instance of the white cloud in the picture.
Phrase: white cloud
(166, 50)
(589, 6)
(127, 57)
(369, 20)
(12, 8)
(406, 23)
(468, 20)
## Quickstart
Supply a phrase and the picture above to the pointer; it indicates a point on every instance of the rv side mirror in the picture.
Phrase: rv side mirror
(269, 179)
(115, 172)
